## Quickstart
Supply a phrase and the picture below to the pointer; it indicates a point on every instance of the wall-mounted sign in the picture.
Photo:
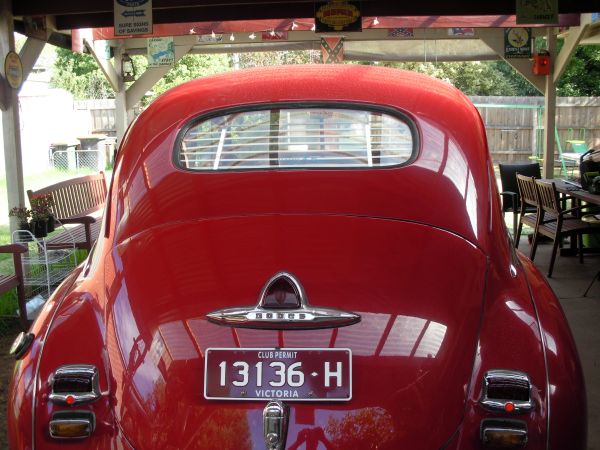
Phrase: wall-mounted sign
(337, 15)
(133, 17)
(212, 38)
(13, 70)
(517, 42)
(467, 32)
(537, 11)
(161, 51)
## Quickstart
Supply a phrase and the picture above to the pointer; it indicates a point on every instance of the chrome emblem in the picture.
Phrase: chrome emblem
(283, 305)
(275, 424)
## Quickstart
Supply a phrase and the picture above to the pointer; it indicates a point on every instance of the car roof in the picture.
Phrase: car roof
(450, 171)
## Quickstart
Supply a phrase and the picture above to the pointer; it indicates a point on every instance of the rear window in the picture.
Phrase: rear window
(312, 137)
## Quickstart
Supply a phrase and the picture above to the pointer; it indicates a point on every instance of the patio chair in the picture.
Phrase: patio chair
(8, 282)
(511, 200)
(558, 223)
(529, 205)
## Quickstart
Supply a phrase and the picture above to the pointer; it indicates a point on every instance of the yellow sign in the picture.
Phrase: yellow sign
(338, 15)
(13, 70)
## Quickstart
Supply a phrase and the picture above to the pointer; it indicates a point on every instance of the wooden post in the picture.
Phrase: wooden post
(549, 107)
(10, 120)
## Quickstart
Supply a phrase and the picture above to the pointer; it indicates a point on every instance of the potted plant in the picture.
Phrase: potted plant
(23, 215)
(40, 211)
(49, 203)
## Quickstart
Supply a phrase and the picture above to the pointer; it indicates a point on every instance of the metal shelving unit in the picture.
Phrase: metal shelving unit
(43, 268)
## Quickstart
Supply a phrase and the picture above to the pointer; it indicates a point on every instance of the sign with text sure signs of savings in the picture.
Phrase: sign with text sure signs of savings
(133, 17)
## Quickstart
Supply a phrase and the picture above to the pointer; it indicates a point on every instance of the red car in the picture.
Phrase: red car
(303, 257)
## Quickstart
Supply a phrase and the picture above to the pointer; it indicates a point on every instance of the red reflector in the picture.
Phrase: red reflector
(509, 407)
(70, 399)
(281, 293)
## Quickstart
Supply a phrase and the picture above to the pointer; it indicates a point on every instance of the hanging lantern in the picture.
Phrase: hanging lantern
(127, 69)
(541, 63)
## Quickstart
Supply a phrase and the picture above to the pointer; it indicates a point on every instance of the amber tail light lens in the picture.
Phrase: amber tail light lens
(72, 424)
(75, 384)
(501, 433)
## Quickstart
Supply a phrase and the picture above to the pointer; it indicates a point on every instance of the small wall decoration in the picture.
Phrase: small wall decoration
(537, 11)
(517, 42)
(401, 32)
(337, 15)
(161, 51)
(332, 49)
(13, 70)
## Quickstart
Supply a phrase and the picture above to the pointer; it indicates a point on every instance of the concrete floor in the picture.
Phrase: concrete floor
(569, 281)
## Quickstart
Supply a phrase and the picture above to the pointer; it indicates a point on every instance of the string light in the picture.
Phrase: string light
(376, 21)
(294, 26)
(252, 36)
(313, 28)
(213, 35)
(272, 32)
(232, 37)
(192, 31)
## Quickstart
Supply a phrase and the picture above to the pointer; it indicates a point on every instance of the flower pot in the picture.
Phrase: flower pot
(25, 228)
(40, 228)
(51, 224)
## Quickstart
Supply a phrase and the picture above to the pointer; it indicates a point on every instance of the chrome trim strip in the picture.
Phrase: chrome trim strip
(496, 404)
(304, 317)
(76, 371)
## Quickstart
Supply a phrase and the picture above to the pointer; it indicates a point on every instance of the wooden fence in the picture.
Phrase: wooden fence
(515, 128)
(514, 124)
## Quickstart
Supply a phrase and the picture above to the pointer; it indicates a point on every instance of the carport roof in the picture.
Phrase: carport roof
(70, 14)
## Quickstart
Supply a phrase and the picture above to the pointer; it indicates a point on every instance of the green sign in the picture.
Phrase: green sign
(517, 42)
(537, 11)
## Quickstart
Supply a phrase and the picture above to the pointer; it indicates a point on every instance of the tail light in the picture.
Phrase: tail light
(72, 424)
(75, 384)
(502, 433)
(506, 391)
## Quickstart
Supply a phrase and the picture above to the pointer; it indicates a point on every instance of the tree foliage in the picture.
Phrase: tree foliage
(79, 74)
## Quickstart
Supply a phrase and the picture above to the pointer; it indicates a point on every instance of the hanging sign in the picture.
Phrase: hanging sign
(133, 17)
(13, 70)
(161, 51)
(337, 15)
(537, 11)
(332, 49)
(517, 42)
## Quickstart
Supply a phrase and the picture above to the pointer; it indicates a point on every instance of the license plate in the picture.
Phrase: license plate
(301, 374)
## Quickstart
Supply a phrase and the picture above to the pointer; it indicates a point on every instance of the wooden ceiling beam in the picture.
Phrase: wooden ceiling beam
(97, 12)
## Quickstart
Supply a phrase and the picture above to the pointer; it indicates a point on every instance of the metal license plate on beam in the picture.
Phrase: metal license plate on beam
(300, 374)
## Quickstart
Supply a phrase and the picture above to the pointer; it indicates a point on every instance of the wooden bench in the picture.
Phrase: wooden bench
(76, 201)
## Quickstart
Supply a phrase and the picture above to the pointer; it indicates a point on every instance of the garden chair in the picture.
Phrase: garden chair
(511, 200)
(8, 282)
(557, 223)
